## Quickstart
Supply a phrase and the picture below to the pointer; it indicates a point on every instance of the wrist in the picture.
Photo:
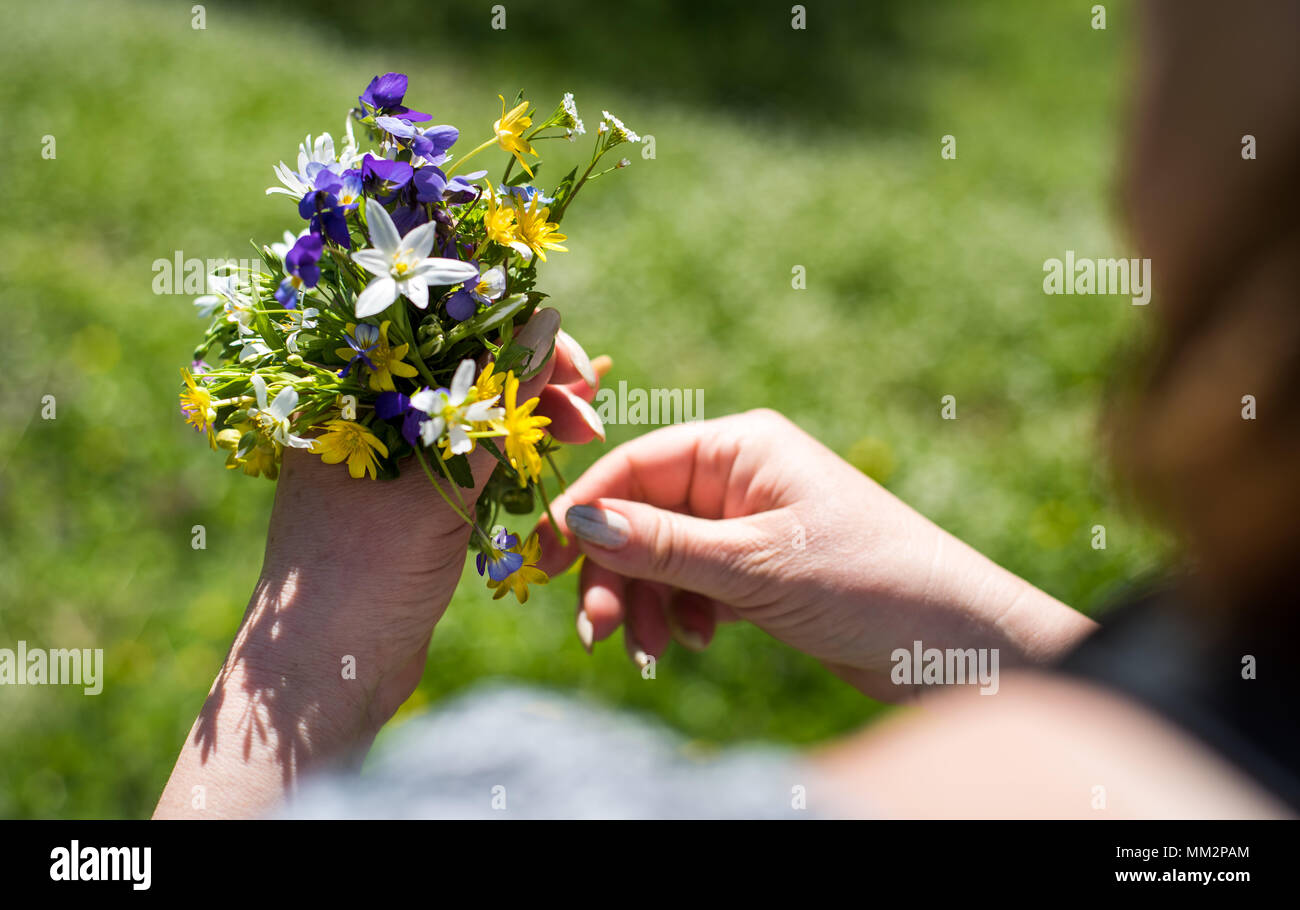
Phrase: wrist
(302, 640)
(1041, 628)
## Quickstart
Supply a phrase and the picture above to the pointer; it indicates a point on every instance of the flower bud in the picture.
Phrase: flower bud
(433, 342)
(228, 439)
(518, 501)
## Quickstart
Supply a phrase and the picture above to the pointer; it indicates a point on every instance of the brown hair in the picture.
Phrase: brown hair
(1223, 235)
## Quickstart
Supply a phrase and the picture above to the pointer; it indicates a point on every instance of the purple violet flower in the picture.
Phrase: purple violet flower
(382, 178)
(301, 269)
(364, 339)
(327, 215)
(384, 95)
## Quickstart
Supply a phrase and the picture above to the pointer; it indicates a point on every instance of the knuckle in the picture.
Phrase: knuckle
(667, 551)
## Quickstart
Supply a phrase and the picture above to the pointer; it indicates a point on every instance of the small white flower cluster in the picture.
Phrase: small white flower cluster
(617, 131)
(572, 122)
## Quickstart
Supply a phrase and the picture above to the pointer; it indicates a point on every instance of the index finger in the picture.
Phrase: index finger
(668, 468)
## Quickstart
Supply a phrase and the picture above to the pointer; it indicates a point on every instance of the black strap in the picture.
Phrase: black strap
(1158, 653)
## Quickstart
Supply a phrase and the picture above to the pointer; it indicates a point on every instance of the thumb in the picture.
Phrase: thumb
(722, 559)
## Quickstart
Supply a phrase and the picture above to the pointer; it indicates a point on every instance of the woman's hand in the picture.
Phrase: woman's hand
(355, 576)
(749, 517)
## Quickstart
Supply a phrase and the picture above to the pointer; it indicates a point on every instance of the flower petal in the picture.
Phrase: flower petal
(377, 297)
(416, 290)
(383, 233)
(259, 389)
(420, 240)
(438, 271)
(284, 404)
(424, 400)
(462, 381)
(459, 442)
(373, 261)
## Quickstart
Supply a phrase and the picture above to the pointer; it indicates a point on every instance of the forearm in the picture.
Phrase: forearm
(984, 605)
(282, 707)
(257, 736)
(916, 582)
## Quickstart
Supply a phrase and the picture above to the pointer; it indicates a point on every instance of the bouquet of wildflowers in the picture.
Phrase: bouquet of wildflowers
(385, 328)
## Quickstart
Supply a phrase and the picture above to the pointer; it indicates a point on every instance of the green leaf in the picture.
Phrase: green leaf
(496, 453)
(563, 190)
(488, 320)
(458, 466)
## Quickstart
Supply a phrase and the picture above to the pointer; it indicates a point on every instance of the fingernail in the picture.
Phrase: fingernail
(586, 412)
(537, 335)
(599, 526)
(581, 362)
(687, 638)
(586, 631)
(602, 365)
(634, 650)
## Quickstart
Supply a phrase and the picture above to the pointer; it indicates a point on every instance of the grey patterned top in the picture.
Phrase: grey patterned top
(503, 751)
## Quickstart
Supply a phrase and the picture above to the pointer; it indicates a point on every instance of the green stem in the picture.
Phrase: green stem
(437, 486)
(455, 167)
(573, 192)
(546, 501)
(558, 476)
(446, 472)
(408, 336)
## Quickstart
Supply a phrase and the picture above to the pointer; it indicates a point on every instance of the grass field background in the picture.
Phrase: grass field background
(774, 148)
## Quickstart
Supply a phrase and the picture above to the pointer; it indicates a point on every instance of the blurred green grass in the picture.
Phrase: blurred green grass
(923, 280)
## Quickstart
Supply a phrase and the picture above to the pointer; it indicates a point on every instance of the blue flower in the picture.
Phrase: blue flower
(465, 302)
(391, 405)
(430, 186)
(525, 194)
(347, 186)
(364, 340)
(459, 189)
(502, 563)
(384, 95)
(327, 215)
(382, 178)
(431, 144)
(301, 269)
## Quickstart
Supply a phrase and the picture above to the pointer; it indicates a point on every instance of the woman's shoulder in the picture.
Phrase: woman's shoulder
(1045, 746)
(1160, 713)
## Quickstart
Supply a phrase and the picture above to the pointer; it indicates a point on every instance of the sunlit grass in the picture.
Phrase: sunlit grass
(923, 280)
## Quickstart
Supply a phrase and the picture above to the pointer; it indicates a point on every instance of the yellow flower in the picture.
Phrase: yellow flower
(196, 405)
(509, 130)
(261, 458)
(347, 439)
(499, 220)
(488, 385)
(527, 574)
(536, 232)
(522, 431)
(387, 360)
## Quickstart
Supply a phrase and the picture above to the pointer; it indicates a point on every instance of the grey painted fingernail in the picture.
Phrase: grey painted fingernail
(538, 336)
(599, 526)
